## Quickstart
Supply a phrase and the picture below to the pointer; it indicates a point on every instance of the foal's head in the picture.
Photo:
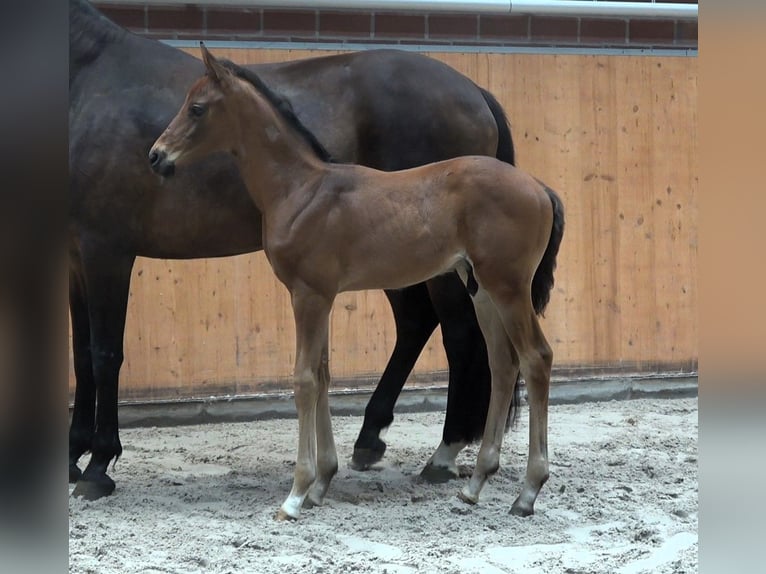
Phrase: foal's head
(204, 124)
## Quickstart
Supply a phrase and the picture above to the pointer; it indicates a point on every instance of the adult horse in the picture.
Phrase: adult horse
(330, 228)
(386, 109)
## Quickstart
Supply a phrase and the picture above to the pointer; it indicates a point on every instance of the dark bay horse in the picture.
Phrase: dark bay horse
(329, 228)
(386, 109)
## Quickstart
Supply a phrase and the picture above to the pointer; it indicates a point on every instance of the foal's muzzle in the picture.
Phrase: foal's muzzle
(160, 164)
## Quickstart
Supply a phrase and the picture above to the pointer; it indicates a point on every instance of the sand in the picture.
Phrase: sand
(622, 498)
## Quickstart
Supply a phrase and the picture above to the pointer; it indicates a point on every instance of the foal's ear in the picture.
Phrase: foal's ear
(214, 68)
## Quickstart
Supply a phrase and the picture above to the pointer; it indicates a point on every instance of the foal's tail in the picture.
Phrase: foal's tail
(542, 282)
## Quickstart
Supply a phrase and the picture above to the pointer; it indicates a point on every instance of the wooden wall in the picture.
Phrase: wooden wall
(615, 135)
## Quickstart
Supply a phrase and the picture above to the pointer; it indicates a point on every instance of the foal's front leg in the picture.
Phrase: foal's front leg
(311, 312)
(327, 456)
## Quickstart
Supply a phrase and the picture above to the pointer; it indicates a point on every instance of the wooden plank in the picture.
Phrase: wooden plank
(616, 136)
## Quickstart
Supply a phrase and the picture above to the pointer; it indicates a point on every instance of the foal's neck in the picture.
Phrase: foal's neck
(275, 160)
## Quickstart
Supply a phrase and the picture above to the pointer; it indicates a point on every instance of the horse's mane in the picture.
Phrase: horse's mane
(89, 32)
(282, 105)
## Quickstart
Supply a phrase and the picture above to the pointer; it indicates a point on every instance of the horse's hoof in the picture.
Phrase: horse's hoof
(282, 516)
(364, 458)
(94, 489)
(438, 474)
(467, 498)
(75, 473)
(519, 509)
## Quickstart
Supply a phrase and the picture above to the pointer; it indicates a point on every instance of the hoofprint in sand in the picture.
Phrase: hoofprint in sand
(622, 498)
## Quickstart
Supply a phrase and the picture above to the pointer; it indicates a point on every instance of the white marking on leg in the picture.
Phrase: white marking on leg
(445, 455)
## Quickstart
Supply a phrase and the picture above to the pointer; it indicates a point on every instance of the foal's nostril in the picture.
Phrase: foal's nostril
(154, 157)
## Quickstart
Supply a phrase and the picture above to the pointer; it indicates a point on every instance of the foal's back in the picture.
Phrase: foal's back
(372, 229)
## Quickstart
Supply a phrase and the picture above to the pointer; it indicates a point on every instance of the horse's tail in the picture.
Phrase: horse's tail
(505, 151)
(542, 282)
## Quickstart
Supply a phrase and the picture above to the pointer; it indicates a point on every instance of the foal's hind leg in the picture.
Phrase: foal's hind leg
(503, 364)
(469, 386)
(311, 326)
(535, 358)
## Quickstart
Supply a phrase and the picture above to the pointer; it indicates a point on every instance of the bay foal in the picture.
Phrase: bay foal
(329, 228)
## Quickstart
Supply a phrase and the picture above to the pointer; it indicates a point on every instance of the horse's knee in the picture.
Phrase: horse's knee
(537, 363)
(546, 355)
(488, 461)
(305, 383)
(106, 362)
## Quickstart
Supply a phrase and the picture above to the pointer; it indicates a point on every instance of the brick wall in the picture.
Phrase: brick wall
(274, 25)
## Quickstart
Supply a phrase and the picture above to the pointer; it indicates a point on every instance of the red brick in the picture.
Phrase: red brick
(651, 31)
(174, 18)
(392, 25)
(233, 20)
(549, 29)
(603, 31)
(345, 24)
(289, 22)
(686, 33)
(453, 26)
(504, 27)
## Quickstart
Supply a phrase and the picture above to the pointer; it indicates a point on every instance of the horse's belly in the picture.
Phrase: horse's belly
(398, 272)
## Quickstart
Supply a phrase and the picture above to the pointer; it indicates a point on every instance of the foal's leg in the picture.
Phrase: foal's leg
(535, 358)
(503, 364)
(469, 387)
(311, 327)
(327, 456)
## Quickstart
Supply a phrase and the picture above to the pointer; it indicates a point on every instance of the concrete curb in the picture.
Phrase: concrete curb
(261, 407)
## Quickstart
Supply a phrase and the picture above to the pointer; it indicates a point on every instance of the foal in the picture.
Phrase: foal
(329, 228)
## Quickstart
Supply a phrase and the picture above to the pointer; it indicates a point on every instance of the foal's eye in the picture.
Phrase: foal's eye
(197, 110)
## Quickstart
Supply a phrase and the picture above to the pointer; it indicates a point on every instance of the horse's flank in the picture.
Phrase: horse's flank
(427, 218)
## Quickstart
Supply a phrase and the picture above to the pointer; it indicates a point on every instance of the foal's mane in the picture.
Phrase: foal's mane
(282, 105)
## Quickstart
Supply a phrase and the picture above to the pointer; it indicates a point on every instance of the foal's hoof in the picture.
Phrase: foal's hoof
(75, 473)
(438, 474)
(520, 509)
(282, 516)
(94, 489)
(467, 498)
(364, 458)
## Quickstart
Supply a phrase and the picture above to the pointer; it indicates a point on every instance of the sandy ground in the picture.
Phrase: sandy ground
(622, 498)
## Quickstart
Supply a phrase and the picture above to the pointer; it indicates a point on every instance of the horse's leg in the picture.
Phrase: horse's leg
(327, 456)
(415, 321)
(312, 317)
(107, 281)
(535, 358)
(469, 377)
(84, 411)
(503, 364)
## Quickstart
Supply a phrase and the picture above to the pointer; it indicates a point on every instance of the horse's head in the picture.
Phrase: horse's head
(203, 125)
